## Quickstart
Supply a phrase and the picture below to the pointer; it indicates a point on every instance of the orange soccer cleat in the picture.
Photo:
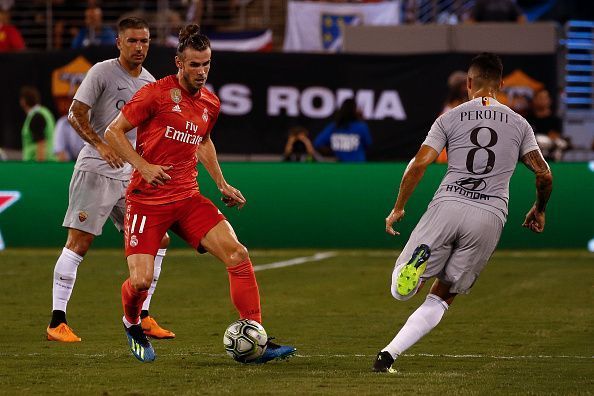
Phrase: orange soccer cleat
(152, 329)
(62, 333)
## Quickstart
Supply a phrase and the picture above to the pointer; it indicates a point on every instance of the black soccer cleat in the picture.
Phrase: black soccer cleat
(383, 363)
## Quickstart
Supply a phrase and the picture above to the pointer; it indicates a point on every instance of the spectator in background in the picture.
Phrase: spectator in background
(66, 21)
(299, 148)
(6, 4)
(521, 103)
(210, 14)
(548, 128)
(496, 11)
(457, 90)
(10, 37)
(94, 33)
(173, 23)
(67, 143)
(348, 136)
(457, 94)
(38, 128)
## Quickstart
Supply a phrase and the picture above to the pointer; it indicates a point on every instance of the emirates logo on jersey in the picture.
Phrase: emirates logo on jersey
(190, 136)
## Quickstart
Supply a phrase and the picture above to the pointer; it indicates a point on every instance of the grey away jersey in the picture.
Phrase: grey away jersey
(484, 140)
(106, 88)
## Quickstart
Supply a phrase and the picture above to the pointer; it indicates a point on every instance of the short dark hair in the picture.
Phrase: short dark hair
(30, 95)
(132, 23)
(487, 67)
(190, 36)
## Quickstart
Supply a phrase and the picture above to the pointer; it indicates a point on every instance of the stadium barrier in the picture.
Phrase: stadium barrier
(294, 205)
(400, 96)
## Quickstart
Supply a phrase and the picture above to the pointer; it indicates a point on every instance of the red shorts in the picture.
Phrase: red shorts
(190, 218)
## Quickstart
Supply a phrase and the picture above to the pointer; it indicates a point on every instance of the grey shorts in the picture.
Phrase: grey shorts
(462, 238)
(93, 198)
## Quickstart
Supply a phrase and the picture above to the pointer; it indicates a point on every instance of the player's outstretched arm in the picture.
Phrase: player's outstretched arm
(207, 155)
(535, 219)
(78, 116)
(412, 176)
(116, 137)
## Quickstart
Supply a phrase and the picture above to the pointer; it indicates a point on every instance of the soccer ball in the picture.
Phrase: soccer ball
(245, 340)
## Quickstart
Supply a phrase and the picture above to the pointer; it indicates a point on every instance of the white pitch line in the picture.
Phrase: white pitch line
(448, 356)
(295, 261)
(519, 357)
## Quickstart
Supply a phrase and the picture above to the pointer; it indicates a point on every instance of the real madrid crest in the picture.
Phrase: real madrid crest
(176, 96)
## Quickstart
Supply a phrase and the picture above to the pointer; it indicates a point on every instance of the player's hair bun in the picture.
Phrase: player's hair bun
(190, 36)
(188, 31)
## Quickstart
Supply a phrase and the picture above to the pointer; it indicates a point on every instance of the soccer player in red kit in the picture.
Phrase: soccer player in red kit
(174, 117)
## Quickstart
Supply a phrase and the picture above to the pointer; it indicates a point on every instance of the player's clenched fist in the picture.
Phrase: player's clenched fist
(155, 175)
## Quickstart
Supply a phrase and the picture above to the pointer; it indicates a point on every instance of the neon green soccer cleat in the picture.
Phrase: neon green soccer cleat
(412, 271)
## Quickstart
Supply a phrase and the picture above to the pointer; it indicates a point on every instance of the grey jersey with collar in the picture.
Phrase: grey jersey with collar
(105, 89)
(484, 140)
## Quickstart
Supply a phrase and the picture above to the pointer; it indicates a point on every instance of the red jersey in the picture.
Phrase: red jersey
(171, 124)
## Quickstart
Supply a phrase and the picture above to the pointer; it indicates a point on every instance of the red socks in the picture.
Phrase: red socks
(244, 291)
(132, 300)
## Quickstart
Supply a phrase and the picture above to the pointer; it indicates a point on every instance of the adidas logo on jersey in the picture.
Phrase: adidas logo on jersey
(176, 108)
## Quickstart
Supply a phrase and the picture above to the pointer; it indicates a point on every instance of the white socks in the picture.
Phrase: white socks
(421, 322)
(128, 324)
(157, 271)
(64, 278)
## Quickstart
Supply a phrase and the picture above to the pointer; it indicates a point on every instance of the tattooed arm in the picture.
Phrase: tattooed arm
(535, 219)
(78, 116)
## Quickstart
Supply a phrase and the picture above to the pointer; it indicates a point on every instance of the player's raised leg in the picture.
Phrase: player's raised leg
(134, 292)
(77, 245)
(149, 325)
(421, 322)
(222, 242)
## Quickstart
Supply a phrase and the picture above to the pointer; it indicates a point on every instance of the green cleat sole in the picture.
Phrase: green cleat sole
(411, 273)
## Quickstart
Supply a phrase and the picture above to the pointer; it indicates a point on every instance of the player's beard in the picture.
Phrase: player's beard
(192, 85)
(137, 59)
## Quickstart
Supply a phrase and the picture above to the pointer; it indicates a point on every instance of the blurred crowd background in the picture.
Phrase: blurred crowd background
(330, 52)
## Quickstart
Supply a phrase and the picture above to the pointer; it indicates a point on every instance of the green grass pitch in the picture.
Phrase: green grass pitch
(526, 328)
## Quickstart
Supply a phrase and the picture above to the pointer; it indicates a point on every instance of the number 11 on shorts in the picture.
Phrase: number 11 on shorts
(142, 222)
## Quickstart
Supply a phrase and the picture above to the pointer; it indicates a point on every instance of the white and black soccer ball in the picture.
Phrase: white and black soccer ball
(245, 340)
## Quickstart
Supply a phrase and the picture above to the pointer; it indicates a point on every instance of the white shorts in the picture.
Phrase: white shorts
(93, 198)
(461, 237)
